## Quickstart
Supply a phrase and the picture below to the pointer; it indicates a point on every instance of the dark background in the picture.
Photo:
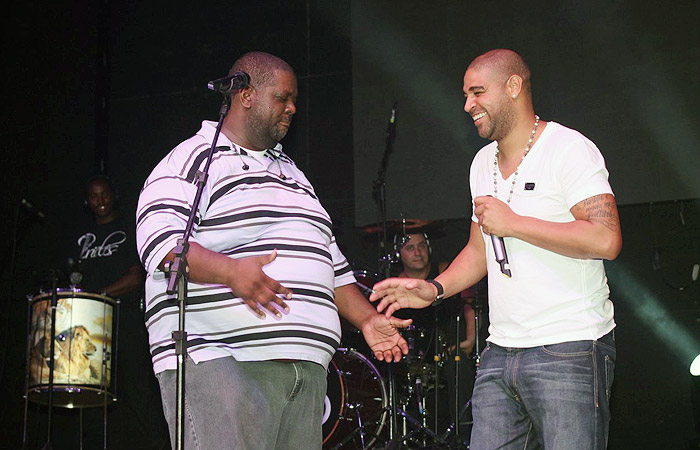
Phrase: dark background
(112, 87)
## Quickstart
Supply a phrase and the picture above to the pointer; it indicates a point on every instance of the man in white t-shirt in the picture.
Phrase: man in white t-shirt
(540, 190)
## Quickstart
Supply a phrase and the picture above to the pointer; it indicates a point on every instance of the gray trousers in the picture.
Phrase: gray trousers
(255, 405)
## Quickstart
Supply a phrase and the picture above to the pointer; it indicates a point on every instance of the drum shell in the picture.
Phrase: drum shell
(84, 349)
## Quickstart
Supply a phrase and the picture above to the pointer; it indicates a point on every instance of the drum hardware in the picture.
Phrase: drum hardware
(355, 407)
(420, 376)
(452, 433)
(70, 353)
(403, 226)
(385, 260)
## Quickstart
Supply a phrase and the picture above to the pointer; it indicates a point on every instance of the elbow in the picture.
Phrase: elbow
(612, 247)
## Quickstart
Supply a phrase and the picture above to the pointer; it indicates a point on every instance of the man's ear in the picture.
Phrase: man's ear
(514, 85)
(244, 96)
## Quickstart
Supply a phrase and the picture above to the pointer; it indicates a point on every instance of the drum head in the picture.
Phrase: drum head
(357, 402)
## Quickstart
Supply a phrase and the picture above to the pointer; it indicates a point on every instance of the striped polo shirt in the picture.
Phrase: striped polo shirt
(252, 203)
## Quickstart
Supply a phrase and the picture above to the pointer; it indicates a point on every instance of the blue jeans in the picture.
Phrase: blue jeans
(554, 397)
(257, 405)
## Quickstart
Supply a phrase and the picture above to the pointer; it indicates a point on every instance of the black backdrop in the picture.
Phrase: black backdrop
(161, 54)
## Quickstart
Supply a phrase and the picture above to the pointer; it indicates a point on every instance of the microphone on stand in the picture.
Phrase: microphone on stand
(392, 120)
(32, 210)
(225, 85)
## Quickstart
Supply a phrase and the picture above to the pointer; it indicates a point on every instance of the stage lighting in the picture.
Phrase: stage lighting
(695, 367)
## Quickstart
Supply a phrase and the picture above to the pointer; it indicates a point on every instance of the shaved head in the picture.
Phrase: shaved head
(503, 63)
(261, 67)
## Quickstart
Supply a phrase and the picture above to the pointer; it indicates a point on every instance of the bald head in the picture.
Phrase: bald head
(261, 67)
(503, 63)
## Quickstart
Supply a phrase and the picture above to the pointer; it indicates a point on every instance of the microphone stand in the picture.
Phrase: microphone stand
(52, 360)
(177, 283)
(379, 194)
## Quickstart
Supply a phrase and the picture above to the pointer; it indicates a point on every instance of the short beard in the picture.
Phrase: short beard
(267, 136)
(504, 123)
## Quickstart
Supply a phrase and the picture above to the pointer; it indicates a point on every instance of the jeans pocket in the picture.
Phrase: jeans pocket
(574, 348)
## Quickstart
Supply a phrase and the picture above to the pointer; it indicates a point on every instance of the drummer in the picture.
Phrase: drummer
(105, 259)
(413, 251)
(106, 262)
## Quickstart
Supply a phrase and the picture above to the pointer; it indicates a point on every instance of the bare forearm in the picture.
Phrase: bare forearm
(468, 268)
(595, 232)
(353, 306)
(578, 239)
(129, 282)
(204, 265)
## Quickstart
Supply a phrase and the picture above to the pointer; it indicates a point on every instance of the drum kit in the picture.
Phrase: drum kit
(71, 351)
(375, 405)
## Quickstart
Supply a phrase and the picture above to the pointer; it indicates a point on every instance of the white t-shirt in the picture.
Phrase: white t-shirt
(550, 298)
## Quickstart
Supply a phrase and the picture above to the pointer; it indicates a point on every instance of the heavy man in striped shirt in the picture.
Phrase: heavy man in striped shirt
(266, 282)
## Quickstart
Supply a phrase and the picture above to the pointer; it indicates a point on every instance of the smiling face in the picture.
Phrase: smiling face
(100, 199)
(271, 112)
(488, 103)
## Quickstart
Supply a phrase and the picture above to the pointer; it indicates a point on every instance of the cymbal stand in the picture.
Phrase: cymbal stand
(437, 359)
(415, 428)
(453, 429)
(363, 429)
(379, 194)
(477, 307)
(457, 358)
(26, 377)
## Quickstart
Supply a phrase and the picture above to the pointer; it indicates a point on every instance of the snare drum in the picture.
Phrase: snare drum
(356, 403)
(83, 349)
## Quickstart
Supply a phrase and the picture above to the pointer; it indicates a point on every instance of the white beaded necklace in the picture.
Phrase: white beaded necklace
(515, 175)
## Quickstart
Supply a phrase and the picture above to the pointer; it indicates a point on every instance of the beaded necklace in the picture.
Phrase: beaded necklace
(515, 175)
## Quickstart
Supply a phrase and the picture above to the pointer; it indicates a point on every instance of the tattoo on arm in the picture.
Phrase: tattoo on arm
(601, 209)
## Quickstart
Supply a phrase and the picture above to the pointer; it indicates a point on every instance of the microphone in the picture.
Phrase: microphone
(32, 210)
(225, 85)
(499, 249)
(392, 120)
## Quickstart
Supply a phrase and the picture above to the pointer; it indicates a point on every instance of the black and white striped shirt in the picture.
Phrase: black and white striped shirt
(271, 205)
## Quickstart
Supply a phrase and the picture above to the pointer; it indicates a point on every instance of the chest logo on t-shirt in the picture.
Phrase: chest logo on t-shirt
(89, 249)
(530, 186)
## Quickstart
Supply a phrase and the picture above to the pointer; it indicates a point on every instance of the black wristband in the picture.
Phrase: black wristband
(440, 290)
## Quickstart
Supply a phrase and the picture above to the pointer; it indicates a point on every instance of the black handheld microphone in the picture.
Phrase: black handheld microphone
(225, 85)
(499, 249)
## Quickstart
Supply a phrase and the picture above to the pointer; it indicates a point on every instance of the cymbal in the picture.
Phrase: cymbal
(398, 226)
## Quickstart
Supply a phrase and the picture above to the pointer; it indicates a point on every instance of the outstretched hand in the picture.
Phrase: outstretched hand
(384, 339)
(255, 288)
(396, 293)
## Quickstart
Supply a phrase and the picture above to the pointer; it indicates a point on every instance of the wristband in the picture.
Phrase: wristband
(440, 290)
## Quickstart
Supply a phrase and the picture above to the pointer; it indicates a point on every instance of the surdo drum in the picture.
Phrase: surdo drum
(83, 349)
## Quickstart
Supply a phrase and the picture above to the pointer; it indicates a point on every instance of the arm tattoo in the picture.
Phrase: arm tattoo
(601, 209)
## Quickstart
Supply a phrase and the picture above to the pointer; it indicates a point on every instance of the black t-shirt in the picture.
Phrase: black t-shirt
(103, 253)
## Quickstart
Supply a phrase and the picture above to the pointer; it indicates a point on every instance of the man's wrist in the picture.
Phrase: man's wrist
(440, 290)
